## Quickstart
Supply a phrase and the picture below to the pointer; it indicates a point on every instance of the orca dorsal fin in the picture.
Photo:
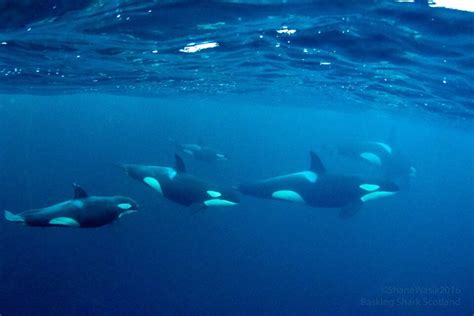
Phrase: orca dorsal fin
(315, 163)
(79, 193)
(179, 164)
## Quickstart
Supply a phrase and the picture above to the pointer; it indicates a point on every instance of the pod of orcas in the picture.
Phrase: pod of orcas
(314, 187)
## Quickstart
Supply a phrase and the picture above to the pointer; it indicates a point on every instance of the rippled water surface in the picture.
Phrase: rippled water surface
(378, 54)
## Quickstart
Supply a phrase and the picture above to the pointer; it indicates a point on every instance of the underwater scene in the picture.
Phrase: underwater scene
(237, 157)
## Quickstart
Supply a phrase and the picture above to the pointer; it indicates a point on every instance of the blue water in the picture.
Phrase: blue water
(89, 85)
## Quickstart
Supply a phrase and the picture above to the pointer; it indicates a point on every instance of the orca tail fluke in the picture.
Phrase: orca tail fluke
(9, 216)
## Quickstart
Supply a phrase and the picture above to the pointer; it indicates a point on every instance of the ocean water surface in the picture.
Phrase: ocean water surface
(90, 85)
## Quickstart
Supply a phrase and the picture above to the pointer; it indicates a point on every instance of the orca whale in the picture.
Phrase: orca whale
(82, 211)
(380, 155)
(385, 158)
(317, 188)
(200, 152)
(181, 187)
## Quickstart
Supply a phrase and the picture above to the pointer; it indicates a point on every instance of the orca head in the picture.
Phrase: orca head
(375, 189)
(219, 197)
(124, 205)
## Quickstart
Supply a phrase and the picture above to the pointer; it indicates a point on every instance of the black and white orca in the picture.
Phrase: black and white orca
(317, 188)
(385, 158)
(201, 152)
(381, 155)
(181, 187)
(82, 211)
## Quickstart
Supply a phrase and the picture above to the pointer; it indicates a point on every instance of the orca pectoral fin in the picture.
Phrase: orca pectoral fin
(350, 209)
